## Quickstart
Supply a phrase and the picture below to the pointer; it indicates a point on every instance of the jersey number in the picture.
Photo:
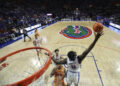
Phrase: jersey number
(73, 66)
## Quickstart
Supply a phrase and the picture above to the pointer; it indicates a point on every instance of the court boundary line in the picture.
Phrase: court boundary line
(98, 70)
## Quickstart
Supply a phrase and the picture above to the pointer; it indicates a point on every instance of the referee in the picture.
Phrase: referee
(25, 35)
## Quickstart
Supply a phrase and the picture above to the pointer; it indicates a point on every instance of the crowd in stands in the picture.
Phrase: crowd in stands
(19, 14)
(14, 17)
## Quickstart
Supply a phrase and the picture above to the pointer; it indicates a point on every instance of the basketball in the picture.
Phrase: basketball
(98, 27)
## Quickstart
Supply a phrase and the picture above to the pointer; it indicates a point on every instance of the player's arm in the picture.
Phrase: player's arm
(46, 54)
(65, 73)
(84, 54)
(34, 43)
(53, 72)
(64, 61)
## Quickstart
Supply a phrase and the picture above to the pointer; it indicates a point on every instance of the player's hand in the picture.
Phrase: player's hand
(98, 35)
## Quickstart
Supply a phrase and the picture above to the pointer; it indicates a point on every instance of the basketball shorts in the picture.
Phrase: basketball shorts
(38, 49)
(73, 77)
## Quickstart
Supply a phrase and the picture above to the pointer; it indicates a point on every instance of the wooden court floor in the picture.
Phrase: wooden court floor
(100, 68)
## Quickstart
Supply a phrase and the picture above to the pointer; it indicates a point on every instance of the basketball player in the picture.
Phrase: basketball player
(56, 55)
(37, 42)
(73, 62)
(36, 32)
(59, 72)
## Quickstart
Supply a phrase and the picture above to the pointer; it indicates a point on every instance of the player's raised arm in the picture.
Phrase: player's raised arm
(64, 61)
(84, 54)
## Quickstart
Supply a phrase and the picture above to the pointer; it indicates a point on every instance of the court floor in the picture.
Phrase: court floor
(101, 67)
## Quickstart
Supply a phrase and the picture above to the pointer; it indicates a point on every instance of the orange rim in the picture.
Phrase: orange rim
(36, 75)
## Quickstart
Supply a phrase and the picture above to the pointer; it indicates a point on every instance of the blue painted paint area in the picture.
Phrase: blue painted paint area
(29, 33)
(102, 84)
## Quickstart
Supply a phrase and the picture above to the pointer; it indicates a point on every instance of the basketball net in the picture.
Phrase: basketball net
(24, 67)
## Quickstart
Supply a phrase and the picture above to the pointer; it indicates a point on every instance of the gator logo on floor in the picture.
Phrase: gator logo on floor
(76, 32)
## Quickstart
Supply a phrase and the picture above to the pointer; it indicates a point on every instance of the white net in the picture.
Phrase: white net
(39, 82)
(22, 65)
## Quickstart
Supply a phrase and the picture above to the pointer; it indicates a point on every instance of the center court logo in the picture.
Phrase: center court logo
(76, 32)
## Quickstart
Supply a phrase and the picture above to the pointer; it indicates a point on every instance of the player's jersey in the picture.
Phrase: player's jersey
(60, 72)
(59, 81)
(38, 42)
(73, 66)
(57, 57)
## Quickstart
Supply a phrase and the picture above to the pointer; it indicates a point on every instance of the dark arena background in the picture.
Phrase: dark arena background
(31, 31)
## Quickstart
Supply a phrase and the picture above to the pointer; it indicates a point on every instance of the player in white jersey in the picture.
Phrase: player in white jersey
(73, 62)
(37, 42)
(56, 55)
(73, 71)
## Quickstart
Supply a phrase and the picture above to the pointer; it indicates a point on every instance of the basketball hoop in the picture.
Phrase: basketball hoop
(34, 76)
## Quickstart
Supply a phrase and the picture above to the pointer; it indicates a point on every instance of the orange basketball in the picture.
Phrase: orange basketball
(97, 27)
